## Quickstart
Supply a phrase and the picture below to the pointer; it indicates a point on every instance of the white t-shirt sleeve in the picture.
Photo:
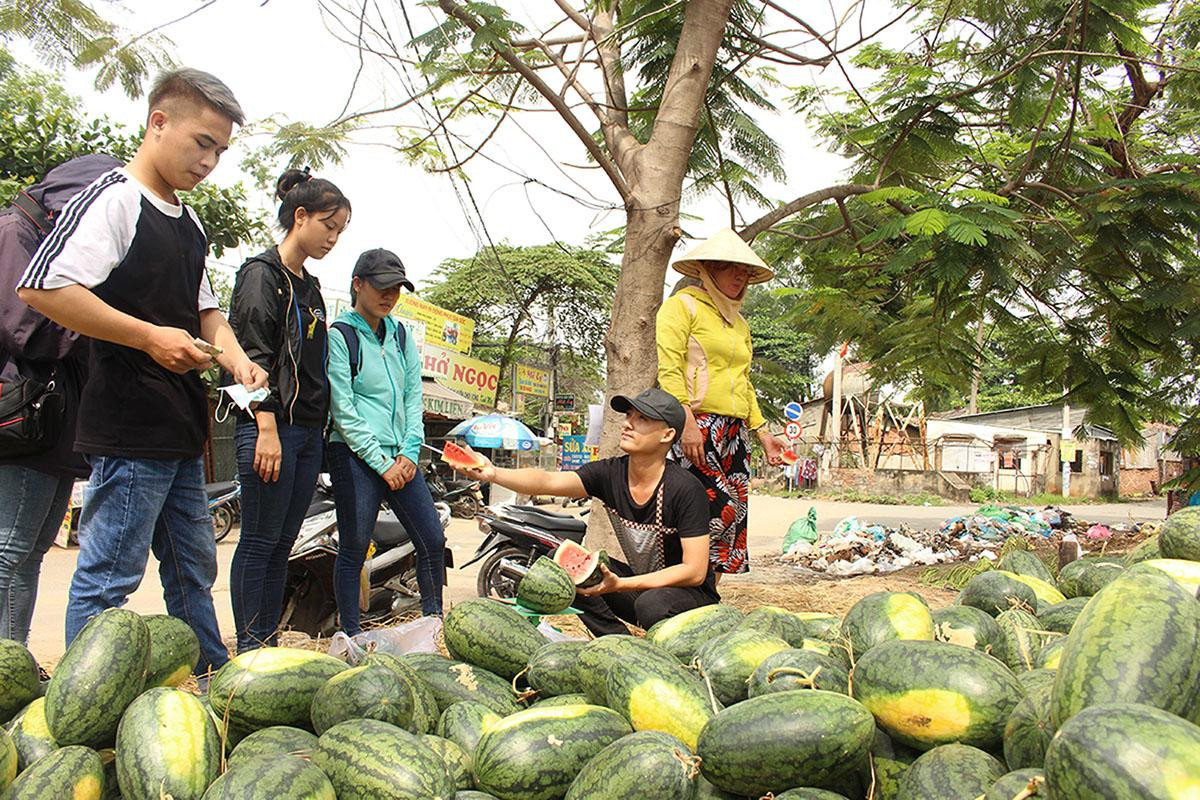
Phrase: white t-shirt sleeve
(90, 238)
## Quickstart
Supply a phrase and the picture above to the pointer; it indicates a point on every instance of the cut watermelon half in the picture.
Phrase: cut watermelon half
(788, 457)
(459, 458)
(580, 563)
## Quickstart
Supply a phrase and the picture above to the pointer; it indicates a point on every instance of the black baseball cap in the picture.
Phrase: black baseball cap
(655, 404)
(383, 269)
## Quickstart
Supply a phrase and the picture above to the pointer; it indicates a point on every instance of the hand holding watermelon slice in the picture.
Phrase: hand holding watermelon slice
(788, 457)
(464, 459)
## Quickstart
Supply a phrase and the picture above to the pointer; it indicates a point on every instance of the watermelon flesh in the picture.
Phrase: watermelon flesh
(789, 457)
(461, 457)
(580, 563)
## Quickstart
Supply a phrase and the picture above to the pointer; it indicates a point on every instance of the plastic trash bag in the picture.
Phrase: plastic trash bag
(847, 527)
(802, 530)
(418, 636)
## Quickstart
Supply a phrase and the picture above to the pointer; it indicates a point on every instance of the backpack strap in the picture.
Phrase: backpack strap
(353, 348)
(35, 212)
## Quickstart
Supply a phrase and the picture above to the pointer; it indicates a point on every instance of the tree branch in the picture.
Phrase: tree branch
(800, 203)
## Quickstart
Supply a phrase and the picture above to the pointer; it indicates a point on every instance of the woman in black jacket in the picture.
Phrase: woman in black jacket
(279, 318)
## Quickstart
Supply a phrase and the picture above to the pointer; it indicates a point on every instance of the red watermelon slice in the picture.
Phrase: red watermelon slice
(461, 458)
(788, 457)
(580, 563)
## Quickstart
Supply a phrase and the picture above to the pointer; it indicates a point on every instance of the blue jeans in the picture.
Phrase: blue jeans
(357, 492)
(271, 517)
(130, 507)
(32, 507)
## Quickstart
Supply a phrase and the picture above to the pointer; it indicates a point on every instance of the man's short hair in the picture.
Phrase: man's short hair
(196, 86)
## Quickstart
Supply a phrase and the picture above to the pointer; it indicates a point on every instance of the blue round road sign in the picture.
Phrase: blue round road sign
(793, 411)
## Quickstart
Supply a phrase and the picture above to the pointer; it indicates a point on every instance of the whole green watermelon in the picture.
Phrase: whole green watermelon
(453, 681)
(727, 661)
(73, 772)
(683, 634)
(642, 764)
(264, 776)
(425, 707)
(967, 626)
(31, 735)
(373, 760)
(777, 621)
(793, 669)
(554, 669)
(271, 686)
(167, 745)
(884, 617)
(995, 591)
(950, 772)
(174, 651)
(275, 741)
(370, 691)
(546, 588)
(491, 635)
(1180, 535)
(456, 760)
(19, 683)
(1085, 576)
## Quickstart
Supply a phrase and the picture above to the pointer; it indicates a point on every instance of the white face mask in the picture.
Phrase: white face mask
(241, 398)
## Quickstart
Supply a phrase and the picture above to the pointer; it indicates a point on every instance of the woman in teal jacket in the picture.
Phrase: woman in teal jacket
(377, 435)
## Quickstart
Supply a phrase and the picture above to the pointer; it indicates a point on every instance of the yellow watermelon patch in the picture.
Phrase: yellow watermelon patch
(910, 617)
(658, 705)
(927, 715)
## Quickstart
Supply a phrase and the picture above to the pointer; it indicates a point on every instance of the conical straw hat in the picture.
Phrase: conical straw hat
(724, 245)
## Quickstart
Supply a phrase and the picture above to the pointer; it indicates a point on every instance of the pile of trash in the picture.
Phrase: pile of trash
(997, 523)
(857, 549)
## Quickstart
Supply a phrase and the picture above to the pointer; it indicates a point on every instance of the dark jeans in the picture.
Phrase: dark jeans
(32, 507)
(130, 507)
(602, 614)
(271, 517)
(357, 492)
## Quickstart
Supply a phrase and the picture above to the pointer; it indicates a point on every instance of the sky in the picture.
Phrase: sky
(281, 62)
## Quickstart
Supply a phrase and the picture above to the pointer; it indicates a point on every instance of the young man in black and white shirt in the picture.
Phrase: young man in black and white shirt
(124, 266)
(659, 508)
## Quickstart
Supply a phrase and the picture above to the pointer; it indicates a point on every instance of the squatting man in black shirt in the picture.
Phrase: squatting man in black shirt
(659, 513)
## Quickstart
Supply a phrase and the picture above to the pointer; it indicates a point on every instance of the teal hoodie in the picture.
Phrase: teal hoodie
(378, 415)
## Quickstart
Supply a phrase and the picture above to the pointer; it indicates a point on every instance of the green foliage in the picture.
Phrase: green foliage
(784, 359)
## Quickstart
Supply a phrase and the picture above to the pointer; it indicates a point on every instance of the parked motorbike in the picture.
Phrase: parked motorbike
(389, 583)
(514, 538)
(224, 505)
(463, 496)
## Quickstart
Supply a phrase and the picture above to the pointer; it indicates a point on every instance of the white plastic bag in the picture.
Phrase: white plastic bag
(418, 636)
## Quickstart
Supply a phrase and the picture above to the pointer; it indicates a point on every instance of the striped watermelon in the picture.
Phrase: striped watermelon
(277, 741)
(167, 745)
(1050, 655)
(271, 686)
(74, 772)
(885, 617)
(793, 669)
(366, 759)
(1180, 535)
(925, 694)
(489, 634)
(101, 673)
(371, 691)
(1061, 616)
(727, 661)
(967, 626)
(820, 625)
(553, 669)
(642, 764)
(573, 699)
(1124, 750)
(656, 694)
(995, 591)
(777, 622)
(472, 794)
(1086, 576)
(31, 735)
(809, 794)
(1022, 639)
(425, 708)
(453, 681)
(1027, 732)
(1047, 594)
(838, 651)
(600, 653)
(455, 759)
(950, 772)
(1031, 782)
(1026, 562)
(174, 651)
(682, 634)
(464, 722)
(536, 754)
(1185, 573)
(1146, 550)
(546, 588)
(272, 776)
(706, 791)
(19, 683)
(1135, 642)
(776, 742)
(8, 760)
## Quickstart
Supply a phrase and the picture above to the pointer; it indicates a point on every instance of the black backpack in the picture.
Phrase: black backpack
(355, 352)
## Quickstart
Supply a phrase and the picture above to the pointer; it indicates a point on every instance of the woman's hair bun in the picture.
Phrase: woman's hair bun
(289, 180)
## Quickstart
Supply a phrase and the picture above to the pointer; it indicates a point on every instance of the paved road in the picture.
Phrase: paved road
(769, 520)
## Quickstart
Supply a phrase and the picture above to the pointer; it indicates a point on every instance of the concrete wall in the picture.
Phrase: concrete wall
(902, 481)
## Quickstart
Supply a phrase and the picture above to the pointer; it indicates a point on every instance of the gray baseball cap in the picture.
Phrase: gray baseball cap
(655, 404)
(383, 269)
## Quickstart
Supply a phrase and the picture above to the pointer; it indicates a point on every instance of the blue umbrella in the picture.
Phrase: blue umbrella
(496, 430)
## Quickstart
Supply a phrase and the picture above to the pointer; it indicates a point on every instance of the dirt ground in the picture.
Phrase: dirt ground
(768, 582)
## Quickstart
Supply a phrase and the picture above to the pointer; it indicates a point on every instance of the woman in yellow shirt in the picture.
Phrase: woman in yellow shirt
(704, 354)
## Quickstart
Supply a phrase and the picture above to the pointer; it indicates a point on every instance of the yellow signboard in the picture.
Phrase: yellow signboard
(442, 328)
(468, 376)
(1066, 450)
(531, 380)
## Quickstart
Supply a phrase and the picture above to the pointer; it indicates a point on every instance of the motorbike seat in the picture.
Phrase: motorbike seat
(319, 506)
(219, 488)
(548, 520)
(389, 533)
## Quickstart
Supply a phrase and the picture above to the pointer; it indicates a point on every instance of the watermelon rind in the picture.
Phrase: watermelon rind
(1179, 536)
(924, 694)
(1028, 731)
(1124, 750)
(587, 574)
(683, 634)
(19, 684)
(1031, 782)
(167, 745)
(452, 681)
(370, 691)
(776, 742)
(101, 673)
(464, 722)
(537, 753)
(492, 635)
(1135, 642)
(425, 708)
(30, 734)
(74, 772)
(642, 764)
(271, 686)
(727, 661)
(777, 621)
(367, 759)
(794, 669)
(1086, 576)
(1025, 562)
(8, 760)
(455, 759)
(272, 776)
(1185, 573)
(967, 626)
(1146, 550)
(884, 617)
(1022, 639)
(951, 772)
(994, 591)
(655, 694)
(1061, 616)
(546, 588)
(1047, 593)
(174, 650)
(553, 669)
(276, 741)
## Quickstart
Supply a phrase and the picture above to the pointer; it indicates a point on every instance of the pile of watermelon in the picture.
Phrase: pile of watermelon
(1084, 684)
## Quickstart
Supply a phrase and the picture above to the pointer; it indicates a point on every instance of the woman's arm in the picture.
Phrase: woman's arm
(414, 425)
(352, 427)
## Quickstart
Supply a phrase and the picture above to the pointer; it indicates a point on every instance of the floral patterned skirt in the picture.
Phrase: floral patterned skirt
(725, 474)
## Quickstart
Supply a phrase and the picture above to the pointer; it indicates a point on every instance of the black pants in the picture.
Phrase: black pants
(602, 614)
